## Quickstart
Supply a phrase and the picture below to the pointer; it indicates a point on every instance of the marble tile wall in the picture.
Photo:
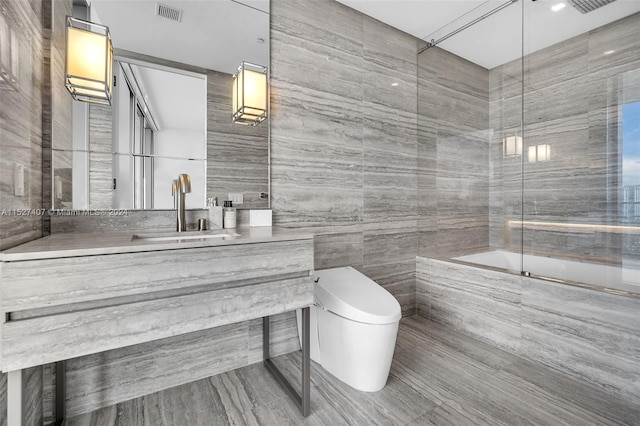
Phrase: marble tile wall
(478, 301)
(21, 134)
(110, 377)
(505, 184)
(572, 97)
(344, 140)
(454, 140)
(58, 110)
(100, 157)
(121, 221)
(591, 335)
(21, 126)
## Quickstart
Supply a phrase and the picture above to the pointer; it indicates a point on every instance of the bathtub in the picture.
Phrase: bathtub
(625, 277)
(586, 327)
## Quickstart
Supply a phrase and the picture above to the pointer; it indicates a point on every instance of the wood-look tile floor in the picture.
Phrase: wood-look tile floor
(438, 377)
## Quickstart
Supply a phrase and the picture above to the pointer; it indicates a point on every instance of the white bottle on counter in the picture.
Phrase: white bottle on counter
(229, 215)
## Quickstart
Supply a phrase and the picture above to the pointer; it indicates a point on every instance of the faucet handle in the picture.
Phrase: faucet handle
(184, 181)
(174, 187)
(174, 192)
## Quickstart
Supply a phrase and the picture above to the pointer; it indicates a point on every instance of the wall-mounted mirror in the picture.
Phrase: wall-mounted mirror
(171, 108)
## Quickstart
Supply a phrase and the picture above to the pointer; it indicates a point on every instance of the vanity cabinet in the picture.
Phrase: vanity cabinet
(60, 306)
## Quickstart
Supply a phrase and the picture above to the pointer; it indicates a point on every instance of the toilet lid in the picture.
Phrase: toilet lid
(353, 295)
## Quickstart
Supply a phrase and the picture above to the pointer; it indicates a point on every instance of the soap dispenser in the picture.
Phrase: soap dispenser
(215, 213)
(229, 215)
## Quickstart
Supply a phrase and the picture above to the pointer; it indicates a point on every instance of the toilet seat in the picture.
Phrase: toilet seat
(349, 294)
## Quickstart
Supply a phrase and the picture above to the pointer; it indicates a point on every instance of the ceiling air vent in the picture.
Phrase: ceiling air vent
(169, 12)
(586, 6)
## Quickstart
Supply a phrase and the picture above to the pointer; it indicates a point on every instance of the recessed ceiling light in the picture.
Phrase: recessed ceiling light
(609, 52)
(394, 84)
(558, 7)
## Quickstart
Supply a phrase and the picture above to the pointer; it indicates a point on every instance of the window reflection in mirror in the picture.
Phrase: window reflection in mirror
(160, 133)
(154, 131)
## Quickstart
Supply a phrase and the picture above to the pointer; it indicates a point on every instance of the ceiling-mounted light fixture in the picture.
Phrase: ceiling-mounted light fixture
(88, 68)
(250, 94)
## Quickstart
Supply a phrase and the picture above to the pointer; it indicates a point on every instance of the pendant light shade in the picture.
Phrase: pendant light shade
(89, 62)
(250, 94)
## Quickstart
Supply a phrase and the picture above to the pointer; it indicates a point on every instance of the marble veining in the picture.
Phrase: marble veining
(572, 97)
(129, 220)
(21, 125)
(100, 157)
(103, 379)
(111, 377)
(438, 376)
(200, 299)
(38, 341)
(344, 140)
(590, 335)
(23, 116)
(85, 244)
(453, 118)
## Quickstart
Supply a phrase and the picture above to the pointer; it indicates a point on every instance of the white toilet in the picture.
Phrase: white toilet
(353, 328)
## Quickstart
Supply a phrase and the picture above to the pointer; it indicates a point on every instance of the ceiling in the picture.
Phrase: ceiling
(219, 34)
(499, 38)
(213, 34)
(228, 31)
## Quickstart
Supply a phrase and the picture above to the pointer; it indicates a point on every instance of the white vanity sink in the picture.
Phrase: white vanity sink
(222, 234)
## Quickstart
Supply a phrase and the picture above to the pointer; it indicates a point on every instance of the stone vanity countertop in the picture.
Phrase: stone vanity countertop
(92, 244)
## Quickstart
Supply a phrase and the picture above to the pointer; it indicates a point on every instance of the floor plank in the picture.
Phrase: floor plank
(438, 377)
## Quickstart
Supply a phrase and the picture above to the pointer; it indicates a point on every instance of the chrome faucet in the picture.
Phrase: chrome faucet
(179, 189)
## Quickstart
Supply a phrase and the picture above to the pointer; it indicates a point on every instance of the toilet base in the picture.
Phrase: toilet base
(358, 354)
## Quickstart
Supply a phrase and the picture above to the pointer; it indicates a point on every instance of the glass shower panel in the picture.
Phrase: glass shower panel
(470, 139)
(506, 162)
(582, 153)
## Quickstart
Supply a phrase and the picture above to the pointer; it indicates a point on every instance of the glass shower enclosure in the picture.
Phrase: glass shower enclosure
(529, 142)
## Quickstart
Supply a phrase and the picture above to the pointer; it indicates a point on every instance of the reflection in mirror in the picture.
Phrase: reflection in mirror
(159, 132)
(154, 131)
(171, 112)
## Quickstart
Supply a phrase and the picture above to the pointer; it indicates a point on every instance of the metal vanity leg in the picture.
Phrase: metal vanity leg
(306, 362)
(304, 400)
(15, 398)
(61, 392)
(16, 395)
